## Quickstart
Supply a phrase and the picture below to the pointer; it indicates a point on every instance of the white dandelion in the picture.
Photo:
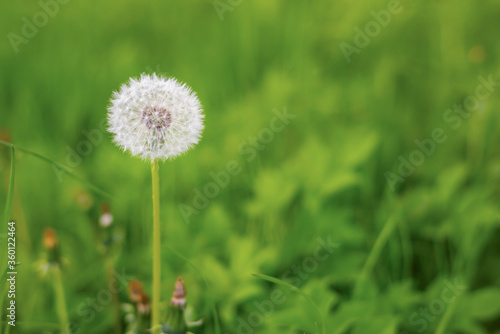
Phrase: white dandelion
(155, 117)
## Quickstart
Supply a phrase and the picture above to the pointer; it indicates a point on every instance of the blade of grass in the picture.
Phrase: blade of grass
(8, 211)
(320, 323)
(375, 253)
(61, 308)
(346, 325)
(60, 166)
(215, 315)
(10, 193)
(443, 324)
(3, 293)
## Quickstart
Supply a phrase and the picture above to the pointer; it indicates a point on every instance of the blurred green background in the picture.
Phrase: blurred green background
(332, 174)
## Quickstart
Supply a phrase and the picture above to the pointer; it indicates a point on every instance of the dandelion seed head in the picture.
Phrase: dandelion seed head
(155, 117)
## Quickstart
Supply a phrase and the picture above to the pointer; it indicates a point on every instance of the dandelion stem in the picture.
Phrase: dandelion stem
(62, 312)
(155, 319)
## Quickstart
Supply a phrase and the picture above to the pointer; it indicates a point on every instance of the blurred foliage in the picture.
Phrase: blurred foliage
(321, 178)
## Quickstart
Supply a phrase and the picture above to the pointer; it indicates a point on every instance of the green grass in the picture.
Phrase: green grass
(322, 175)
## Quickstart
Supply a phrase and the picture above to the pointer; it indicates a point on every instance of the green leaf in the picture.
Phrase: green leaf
(380, 324)
(484, 304)
(338, 181)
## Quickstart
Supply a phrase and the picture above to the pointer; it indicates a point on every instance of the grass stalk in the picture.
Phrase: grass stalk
(61, 309)
(443, 324)
(374, 255)
(10, 192)
(110, 272)
(60, 168)
(7, 215)
(320, 323)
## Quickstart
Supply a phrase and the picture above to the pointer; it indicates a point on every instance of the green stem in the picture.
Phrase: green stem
(446, 319)
(374, 255)
(10, 192)
(6, 218)
(155, 319)
(62, 312)
(114, 294)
